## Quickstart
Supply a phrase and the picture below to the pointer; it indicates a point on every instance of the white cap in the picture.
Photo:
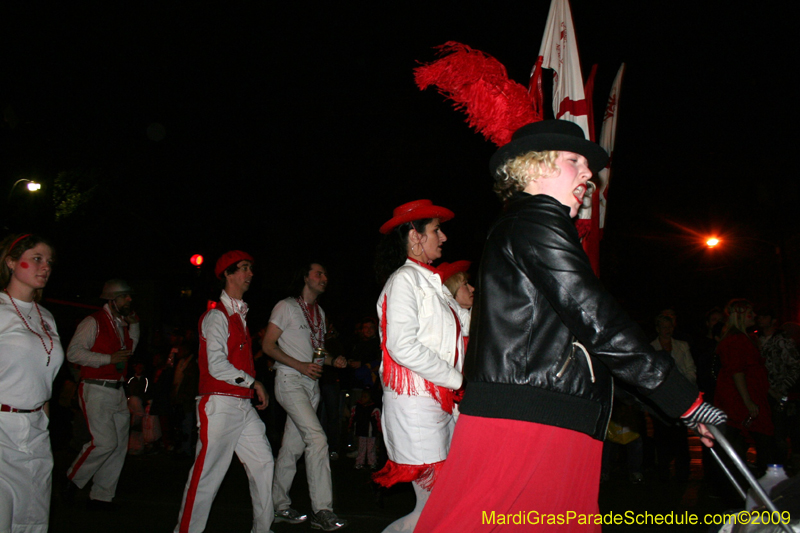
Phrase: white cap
(115, 287)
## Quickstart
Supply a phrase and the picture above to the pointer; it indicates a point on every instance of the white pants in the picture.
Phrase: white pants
(26, 471)
(299, 396)
(102, 458)
(227, 424)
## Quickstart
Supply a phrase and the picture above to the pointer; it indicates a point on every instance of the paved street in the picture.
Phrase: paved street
(151, 487)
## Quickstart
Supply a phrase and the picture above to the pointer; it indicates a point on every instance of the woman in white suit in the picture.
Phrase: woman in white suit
(422, 331)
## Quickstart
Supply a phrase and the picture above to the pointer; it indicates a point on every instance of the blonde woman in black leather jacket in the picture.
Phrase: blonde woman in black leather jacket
(545, 342)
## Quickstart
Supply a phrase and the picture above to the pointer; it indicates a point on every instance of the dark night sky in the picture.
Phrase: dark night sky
(293, 130)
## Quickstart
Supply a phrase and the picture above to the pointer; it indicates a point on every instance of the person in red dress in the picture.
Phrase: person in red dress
(743, 385)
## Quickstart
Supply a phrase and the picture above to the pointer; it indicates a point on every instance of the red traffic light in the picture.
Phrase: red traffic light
(196, 260)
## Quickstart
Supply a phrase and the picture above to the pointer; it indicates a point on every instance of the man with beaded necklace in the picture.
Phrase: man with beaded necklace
(296, 329)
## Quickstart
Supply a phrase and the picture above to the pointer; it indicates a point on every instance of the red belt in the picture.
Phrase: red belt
(9, 409)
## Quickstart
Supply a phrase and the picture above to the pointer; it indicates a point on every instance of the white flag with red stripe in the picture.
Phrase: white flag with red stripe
(559, 51)
(608, 136)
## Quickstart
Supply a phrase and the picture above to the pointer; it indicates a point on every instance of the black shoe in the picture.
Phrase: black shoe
(290, 515)
(327, 520)
(378, 493)
(100, 505)
(68, 492)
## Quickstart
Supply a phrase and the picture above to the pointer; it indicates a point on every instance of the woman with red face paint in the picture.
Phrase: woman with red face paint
(30, 357)
(422, 329)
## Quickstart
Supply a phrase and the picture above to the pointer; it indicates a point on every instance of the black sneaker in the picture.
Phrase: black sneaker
(100, 505)
(290, 515)
(327, 521)
(68, 492)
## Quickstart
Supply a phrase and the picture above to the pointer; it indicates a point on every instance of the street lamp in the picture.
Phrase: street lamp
(32, 186)
(712, 242)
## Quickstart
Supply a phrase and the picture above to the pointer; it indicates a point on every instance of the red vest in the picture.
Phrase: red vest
(240, 356)
(108, 342)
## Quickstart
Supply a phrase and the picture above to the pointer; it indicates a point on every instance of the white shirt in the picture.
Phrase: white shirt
(214, 330)
(26, 379)
(80, 347)
(682, 356)
(295, 340)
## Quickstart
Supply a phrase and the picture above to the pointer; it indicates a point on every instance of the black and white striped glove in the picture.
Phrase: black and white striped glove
(705, 413)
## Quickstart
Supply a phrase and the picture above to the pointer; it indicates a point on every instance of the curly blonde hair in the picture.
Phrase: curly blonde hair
(516, 173)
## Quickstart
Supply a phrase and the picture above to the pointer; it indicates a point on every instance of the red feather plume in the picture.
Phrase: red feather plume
(478, 84)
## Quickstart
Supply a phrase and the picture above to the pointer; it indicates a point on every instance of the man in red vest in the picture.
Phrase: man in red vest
(102, 345)
(228, 422)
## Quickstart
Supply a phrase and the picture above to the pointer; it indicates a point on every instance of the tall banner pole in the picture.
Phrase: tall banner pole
(559, 52)
(608, 138)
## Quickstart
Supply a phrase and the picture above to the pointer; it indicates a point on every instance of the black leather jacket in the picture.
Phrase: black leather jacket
(538, 295)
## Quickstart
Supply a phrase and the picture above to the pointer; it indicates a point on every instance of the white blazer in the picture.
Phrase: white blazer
(682, 356)
(421, 328)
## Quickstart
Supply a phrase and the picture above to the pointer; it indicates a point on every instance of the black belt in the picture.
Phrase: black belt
(104, 383)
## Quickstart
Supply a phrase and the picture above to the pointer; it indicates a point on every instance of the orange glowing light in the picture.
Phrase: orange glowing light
(196, 260)
(712, 242)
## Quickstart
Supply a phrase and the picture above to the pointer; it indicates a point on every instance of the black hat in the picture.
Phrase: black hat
(550, 135)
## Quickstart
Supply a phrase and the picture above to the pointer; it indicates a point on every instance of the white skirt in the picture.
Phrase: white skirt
(415, 429)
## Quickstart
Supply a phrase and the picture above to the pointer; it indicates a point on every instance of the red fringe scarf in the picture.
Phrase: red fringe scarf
(424, 475)
(400, 379)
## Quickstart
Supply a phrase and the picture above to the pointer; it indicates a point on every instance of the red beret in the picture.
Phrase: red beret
(448, 269)
(231, 258)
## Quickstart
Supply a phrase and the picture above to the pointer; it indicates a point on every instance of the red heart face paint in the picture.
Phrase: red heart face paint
(34, 266)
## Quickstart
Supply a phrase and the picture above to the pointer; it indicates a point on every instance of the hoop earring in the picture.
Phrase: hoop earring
(420, 247)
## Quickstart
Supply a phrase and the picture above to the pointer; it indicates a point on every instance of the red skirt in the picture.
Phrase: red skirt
(509, 475)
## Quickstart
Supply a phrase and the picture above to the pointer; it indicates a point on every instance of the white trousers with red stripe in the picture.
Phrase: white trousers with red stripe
(26, 467)
(227, 425)
(102, 458)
